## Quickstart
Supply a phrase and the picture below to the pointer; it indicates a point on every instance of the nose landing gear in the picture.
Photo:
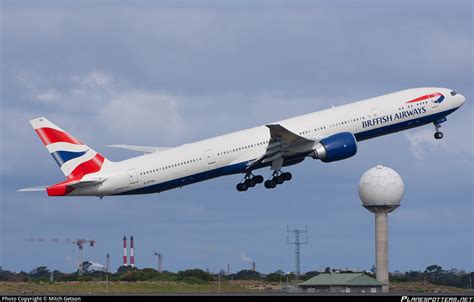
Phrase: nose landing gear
(438, 134)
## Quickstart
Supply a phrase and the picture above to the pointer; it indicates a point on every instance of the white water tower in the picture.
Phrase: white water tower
(381, 190)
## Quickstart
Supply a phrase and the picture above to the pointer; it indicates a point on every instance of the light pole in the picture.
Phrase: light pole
(330, 280)
(470, 282)
(107, 269)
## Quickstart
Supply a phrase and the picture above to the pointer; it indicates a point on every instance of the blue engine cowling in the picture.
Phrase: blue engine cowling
(336, 147)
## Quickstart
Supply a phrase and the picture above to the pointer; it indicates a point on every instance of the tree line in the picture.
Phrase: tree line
(433, 273)
(437, 275)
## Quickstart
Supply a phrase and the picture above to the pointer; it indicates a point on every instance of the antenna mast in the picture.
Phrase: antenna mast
(297, 242)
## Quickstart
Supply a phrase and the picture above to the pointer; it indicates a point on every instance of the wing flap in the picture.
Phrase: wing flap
(283, 143)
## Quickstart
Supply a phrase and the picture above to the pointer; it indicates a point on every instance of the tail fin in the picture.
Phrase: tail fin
(73, 157)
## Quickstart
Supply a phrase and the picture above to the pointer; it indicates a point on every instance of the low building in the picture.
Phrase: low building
(341, 283)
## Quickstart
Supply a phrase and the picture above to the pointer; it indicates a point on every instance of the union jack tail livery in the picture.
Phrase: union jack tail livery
(74, 158)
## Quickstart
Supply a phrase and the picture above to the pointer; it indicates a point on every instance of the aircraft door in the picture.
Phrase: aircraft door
(375, 112)
(132, 176)
(211, 159)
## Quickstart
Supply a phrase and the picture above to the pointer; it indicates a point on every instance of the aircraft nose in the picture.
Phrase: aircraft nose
(461, 99)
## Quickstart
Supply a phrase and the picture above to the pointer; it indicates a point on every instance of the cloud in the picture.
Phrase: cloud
(245, 258)
(86, 92)
(94, 79)
(421, 141)
(145, 113)
(209, 48)
(112, 105)
(51, 95)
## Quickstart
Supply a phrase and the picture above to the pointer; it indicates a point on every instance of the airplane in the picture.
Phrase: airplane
(328, 135)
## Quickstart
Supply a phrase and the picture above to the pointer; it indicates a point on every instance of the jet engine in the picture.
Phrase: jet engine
(335, 147)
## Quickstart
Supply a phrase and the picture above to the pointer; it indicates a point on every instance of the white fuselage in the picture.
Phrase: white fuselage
(232, 153)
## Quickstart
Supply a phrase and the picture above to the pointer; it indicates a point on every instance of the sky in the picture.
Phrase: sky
(165, 73)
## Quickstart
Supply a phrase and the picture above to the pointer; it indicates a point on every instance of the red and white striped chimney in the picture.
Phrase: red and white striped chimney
(132, 254)
(125, 251)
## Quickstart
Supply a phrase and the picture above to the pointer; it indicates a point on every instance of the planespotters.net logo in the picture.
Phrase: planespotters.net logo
(437, 299)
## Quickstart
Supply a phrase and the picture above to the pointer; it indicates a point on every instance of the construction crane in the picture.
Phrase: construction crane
(160, 261)
(80, 243)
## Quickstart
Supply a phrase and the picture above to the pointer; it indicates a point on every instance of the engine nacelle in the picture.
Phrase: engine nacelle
(336, 147)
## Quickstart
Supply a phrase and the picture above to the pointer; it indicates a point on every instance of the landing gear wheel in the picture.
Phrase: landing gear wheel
(287, 176)
(279, 179)
(251, 182)
(258, 179)
(241, 187)
(438, 135)
(270, 184)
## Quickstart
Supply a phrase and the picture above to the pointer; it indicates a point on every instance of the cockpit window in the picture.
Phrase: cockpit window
(453, 93)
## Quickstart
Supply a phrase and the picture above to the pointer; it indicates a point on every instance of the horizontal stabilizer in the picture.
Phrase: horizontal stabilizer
(144, 149)
(34, 189)
(66, 186)
(85, 183)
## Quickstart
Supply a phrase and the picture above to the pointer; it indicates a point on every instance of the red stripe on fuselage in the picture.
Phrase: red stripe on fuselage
(422, 98)
(51, 136)
(91, 166)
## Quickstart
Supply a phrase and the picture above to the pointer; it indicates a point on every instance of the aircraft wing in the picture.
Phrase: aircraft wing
(144, 149)
(283, 143)
(285, 136)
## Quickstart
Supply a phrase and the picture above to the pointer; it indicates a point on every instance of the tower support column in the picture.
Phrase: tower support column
(381, 248)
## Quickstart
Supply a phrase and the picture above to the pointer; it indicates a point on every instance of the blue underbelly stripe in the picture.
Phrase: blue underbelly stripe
(183, 181)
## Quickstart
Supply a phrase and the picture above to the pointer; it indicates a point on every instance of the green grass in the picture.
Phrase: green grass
(93, 288)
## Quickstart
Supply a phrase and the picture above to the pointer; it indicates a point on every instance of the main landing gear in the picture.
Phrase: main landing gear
(277, 179)
(250, 181)
(438, 134)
